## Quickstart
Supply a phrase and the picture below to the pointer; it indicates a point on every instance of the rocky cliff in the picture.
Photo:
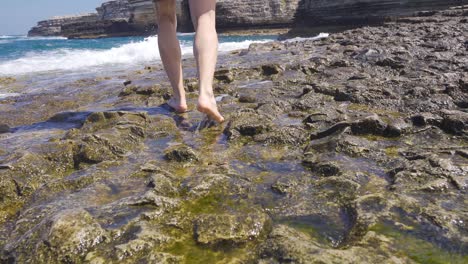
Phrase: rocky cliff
(114, 10)
(346, 12)
(144, 15)
(255, 13)
(138, 17)
(53, 27)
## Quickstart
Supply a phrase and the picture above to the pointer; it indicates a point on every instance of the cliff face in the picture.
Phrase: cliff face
(341, 12)
(138, 17)
(53, 27)
(114, 10)
(144, 15)
(255, 13)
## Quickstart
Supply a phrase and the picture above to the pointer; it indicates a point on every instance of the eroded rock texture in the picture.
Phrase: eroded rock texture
(347, 149)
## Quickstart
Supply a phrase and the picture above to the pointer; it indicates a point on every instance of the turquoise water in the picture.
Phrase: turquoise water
(23, 55)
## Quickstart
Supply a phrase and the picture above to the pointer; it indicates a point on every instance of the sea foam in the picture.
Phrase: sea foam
(134, 53)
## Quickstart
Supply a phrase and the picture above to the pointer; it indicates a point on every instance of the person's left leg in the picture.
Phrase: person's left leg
(169, 49)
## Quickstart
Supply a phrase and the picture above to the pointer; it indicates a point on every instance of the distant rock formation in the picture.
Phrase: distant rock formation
(354, 12)
(114, 10)
(138, 17)
(53, 27)
(255, 13)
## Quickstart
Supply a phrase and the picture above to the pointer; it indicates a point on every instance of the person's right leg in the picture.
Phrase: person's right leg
(169, 50)
(206, 51)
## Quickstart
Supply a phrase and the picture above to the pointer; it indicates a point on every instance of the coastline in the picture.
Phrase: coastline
(351, 148)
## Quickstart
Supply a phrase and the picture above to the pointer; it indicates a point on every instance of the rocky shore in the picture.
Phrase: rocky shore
(348, 149)
(138, 17)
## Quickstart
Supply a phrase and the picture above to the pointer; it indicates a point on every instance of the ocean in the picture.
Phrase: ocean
(20, 55)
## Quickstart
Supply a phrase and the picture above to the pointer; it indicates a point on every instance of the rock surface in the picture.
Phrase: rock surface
(347, 149)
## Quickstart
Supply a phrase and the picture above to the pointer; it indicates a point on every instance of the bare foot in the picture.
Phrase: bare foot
(177, 105)
(207, 105)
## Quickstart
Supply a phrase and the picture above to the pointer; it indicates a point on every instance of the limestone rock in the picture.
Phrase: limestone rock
(239, 228)
(4, 128)
(247, 123)
(455, 122)
(74, 232)
(181, 153)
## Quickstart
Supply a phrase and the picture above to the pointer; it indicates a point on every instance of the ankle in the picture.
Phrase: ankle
(206, 93)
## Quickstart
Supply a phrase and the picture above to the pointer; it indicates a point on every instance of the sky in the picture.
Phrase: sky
(18, 16)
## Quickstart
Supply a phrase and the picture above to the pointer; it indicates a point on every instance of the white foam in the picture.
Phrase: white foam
(6, 95)
(230, 46)
(319, 36)
(41, 38)
(67, 59)
(6, 37)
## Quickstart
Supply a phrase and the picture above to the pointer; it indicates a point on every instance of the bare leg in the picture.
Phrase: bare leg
(205, 49)
(169, 49)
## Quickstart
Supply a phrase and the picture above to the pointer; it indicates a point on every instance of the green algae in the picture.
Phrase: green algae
(194, 253)
(307, 229)
(215, 203)
(392, 151)
(372, 137)
(417, 249)
(369, 109)
(207, 204)
(9, 210)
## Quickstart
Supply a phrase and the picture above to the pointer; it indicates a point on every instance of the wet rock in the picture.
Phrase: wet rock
(271, 69)
(74, 232)
(219, 229)
(369, 125)
(30, 170)
(394, 63)
(288, 245)
(127, 82)
(128, 90)
(339, 189)
(247, 99)
(439, 185)
(424, 119)
(284, 135)
(272, 110)
(4, 128)
(285, 185)
(8, 189)
(143, 242)
(322, 168)
(224, 75)
(7, 80)
(396, 128)
(455, 122)
(463, 83)
(66, 238)
(162, 184)
(192, 85)
(181, 153)
(155, 90)
(209, 183)
(108, 136)
(366, 211)
(247, 123)
(335, 129)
